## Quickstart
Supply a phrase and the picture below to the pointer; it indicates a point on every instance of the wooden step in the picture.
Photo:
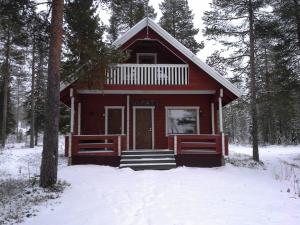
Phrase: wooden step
(148, 159)
(143, 161)
(151, 166)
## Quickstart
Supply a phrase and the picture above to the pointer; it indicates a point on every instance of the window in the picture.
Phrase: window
(114, 119)
(182, 120)
(146, 58)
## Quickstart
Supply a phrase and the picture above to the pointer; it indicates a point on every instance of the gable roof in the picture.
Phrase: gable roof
(180, 47)
(176, 44)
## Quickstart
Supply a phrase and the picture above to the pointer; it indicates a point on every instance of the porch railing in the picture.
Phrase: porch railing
(197, 144)
(101, 145)
(148, 74)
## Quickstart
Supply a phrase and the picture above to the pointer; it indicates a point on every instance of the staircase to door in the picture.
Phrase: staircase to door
(148, 159)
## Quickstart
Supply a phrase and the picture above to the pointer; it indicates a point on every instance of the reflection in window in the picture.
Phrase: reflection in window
(182, 121)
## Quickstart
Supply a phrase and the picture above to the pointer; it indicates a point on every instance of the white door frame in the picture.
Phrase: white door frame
(106, 117)
(134, 123)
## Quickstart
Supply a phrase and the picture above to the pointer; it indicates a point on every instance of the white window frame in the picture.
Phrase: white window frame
(146, 54)
(197, 108)
(106, 118)
(134, 124)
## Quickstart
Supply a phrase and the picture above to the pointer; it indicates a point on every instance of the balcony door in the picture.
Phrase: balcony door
(146, 58)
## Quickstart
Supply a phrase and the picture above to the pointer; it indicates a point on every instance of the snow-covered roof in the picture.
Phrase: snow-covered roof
(180, 47)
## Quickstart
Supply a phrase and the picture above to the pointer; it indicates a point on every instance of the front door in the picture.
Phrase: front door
(114, 121)
(143, 128)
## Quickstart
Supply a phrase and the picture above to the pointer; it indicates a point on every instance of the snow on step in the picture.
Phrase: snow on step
(147, 164)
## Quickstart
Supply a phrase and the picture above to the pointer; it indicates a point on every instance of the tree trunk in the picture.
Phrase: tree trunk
(48, 175)
(6, 77)
(18, 110)
(32, 100)
(253, 102)
(268, 102)
(36, 136)
(297, 17)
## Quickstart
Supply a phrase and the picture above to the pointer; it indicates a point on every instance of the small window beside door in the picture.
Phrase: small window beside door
(146, 58)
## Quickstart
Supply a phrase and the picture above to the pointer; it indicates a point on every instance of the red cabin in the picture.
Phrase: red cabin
(159, 109)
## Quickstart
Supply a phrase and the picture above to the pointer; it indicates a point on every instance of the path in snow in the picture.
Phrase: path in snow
(183, 196)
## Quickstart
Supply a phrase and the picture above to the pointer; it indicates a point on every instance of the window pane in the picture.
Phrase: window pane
(182, 121)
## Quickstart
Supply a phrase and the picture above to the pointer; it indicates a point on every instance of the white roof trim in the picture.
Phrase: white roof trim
(164, 34)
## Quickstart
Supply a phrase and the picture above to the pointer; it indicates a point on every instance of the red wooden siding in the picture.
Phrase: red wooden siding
(164, 56)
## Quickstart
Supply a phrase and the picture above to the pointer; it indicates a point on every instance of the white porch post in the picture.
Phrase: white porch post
(221, 121)
(127, 119)
(72, 111)
(71, 124)
(79, 118)
(212, 106)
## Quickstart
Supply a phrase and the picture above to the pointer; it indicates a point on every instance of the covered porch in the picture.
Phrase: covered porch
(145, 124)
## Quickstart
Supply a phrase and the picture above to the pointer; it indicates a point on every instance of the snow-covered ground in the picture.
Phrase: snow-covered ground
(18, 161)
(231, 195)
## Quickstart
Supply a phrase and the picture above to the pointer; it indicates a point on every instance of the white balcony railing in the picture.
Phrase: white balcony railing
(148, 74)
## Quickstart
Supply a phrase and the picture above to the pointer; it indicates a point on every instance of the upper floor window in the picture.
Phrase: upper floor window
(146, 58)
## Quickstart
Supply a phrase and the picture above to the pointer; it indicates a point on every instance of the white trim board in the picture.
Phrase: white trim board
(106, 117)
(180, 47)
(143, 92)
(134, 124)
(79, 118)
(197, 108)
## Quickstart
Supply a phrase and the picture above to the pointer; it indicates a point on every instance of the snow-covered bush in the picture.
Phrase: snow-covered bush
(242, 160)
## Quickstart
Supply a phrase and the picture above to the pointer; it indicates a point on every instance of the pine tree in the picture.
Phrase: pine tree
(34, 104)
(48, 175)
(12, 37)
(177, 19)
(41, 86)
(232, 23)
(87, 55)
(278, 54)
(277, 68)
(19, 90)
(125, 14)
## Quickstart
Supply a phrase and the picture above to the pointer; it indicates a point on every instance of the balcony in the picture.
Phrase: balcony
(148, 74)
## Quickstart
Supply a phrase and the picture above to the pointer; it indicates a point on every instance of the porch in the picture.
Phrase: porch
(189, 150)
(106, 127)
